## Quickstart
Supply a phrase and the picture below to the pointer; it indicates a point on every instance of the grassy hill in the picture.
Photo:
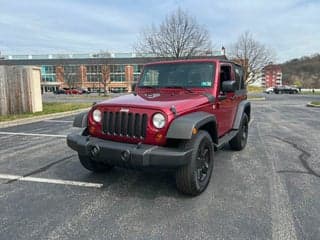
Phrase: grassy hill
(304, 72)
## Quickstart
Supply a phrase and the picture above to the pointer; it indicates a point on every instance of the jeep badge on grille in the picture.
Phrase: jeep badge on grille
(124, 110)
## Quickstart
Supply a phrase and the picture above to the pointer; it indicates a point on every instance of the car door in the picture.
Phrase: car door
(241, 91)
(227, 102)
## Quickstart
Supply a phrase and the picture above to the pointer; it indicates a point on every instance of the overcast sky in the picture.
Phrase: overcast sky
(290, 27)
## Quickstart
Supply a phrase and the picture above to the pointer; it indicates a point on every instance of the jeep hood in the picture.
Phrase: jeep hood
(159, 101)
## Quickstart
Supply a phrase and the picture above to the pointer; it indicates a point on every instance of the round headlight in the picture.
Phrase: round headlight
(158, 120)
(97, 115)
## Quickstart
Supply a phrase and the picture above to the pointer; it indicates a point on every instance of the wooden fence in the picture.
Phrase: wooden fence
(19, 90)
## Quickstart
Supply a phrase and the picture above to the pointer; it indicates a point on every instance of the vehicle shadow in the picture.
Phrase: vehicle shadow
(123, 182)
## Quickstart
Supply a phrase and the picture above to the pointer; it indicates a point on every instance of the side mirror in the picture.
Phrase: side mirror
(228, 86)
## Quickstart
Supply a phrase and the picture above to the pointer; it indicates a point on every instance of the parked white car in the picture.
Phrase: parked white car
(269, 90)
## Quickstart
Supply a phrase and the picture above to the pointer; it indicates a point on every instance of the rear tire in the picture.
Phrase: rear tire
(93, 166)
(194, 178)
(240, 140)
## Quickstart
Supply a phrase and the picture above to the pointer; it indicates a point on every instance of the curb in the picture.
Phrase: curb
(257, 99)
(40, 118)
(312, 105)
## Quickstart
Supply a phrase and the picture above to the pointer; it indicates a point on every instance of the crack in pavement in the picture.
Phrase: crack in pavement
(41, 169)
(303, 157)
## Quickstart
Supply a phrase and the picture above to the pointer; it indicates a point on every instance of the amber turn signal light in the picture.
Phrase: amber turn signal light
(158, 137)
(194, 131)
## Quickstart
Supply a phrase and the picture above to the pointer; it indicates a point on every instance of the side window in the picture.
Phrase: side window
(239, 77)
(225, 73)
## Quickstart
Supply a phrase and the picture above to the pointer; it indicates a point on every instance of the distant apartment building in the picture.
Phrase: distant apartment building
(114, 72)
(271, 76)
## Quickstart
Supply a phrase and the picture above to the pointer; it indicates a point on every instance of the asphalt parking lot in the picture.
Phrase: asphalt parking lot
(270, 190)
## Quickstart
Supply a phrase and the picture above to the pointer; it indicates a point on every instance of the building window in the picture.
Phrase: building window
(117, 77)
(137, 68)
(48, 78)
(119, 68)
(71, 69)
(93, 69)
(94, 78)
(136, 77)
(71, 75)
(48, 73)
(94, 73)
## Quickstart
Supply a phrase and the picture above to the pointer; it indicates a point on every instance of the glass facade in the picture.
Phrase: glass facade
(117, 68)
(117, 78)
(72, 69)
(94, 73)
(137, 69)
(48, 73)
(117, 73)
(71, 75)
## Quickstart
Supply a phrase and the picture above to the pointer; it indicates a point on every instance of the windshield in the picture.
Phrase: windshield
(186, 75)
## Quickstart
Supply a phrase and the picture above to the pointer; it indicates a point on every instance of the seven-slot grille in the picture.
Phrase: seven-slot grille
(125, 124)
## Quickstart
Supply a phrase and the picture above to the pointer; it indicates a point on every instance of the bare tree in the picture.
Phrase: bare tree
(178, 36)
(105, 71)
(251, 54)
(71, 75)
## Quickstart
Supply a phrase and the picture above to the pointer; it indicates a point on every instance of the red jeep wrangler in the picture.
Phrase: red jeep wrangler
(179, 114)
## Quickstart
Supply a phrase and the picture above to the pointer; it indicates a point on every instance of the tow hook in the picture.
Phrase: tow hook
(94, 151)
(125, 155)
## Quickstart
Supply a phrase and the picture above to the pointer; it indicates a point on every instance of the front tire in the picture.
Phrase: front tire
(240, 140)
(194, 178)
(93, 166)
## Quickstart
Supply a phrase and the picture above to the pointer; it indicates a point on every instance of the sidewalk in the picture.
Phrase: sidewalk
(40, 118)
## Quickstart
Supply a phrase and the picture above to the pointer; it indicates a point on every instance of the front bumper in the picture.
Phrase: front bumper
(128, 155)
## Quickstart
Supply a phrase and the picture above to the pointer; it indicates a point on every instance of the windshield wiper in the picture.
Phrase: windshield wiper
(180, 87)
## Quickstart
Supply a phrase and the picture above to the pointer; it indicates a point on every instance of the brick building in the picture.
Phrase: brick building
(109, 72)
(112, 72)
(271, 76)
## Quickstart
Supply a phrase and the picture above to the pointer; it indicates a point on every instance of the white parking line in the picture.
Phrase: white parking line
(47, 180)
(58, 121)
(33, 134)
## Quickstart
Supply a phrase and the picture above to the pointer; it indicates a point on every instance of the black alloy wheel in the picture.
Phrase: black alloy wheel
(203, 161)
(193, 178)
(240, 140)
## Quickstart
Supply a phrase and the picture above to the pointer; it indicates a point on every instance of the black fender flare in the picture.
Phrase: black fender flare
(244, 106)
(182, 127)
(81, 120)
